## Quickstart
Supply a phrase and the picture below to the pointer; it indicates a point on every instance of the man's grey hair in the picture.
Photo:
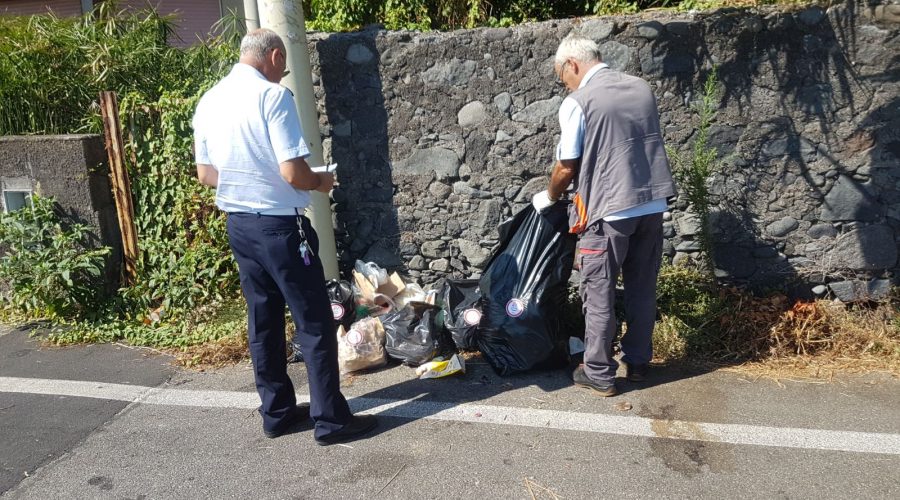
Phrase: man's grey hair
(579, 48)
(258, 43)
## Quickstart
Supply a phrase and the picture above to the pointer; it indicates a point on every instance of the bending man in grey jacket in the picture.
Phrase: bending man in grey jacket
(611, 150)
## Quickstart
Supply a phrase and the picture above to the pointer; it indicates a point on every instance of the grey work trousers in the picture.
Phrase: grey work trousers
(634, 247)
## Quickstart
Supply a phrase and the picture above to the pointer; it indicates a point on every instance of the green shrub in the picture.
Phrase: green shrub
(690, 307)
(52, 69)
(48, 269)
(50, 73)
(692, 171)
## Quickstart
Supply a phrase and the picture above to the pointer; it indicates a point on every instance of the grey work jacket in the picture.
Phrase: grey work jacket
(624, 162)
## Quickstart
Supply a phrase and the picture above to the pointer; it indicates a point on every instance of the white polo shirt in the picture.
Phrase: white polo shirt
(244, 127)
(571, 141)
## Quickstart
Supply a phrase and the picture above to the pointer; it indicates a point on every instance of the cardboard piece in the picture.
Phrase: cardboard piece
(365, 287)
(393, 286)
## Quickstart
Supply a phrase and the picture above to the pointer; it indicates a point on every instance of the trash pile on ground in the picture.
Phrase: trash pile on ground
(511, 314)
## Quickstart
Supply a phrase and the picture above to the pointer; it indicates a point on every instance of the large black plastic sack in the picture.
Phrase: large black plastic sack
(523, 290)
(343, 308)
(461, 300)
(414, 335)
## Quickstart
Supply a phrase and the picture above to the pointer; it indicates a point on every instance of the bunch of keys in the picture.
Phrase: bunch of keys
(305, 252)
(304, 249)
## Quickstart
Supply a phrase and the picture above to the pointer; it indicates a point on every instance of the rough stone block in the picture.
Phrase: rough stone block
(434, 248)
(782, 227)
(689, 225)
(870, 248)
(503, 101)
(359, 54)
(441, 162)
(473, 252)
(538, 111)
(666, 64)
(849, 200)
(817, 231)
(454, 72)
(417, 263)
(616, 55)
(440, 265)
(650, 30)
(855, 290)
(471, 115)
(595, 29)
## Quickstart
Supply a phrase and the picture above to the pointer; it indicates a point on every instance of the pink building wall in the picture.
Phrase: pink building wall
(27, 7)
(195, 18)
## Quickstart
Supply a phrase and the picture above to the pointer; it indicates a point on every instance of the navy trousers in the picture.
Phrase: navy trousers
(273, 274)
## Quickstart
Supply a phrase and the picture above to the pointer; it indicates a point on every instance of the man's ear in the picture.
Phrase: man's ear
(577, 67)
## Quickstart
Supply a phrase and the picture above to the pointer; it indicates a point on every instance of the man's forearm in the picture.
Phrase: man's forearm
(298, 174)
(208, 175)
(563, 174)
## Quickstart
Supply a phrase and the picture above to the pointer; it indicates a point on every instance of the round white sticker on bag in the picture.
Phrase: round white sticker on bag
(337, 310)
(515, 308)
(472, 316)
(354, 338)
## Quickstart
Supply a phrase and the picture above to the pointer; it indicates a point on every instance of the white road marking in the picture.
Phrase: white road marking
(415, 408)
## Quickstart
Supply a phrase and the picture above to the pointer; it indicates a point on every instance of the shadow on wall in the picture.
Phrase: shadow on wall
(356, 139)
(809, 191)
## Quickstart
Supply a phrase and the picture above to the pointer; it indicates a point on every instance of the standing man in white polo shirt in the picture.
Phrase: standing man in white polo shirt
(249, 146)
(611, 148)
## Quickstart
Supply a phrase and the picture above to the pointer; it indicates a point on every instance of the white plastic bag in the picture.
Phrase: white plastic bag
(412, 293)
(373, 272)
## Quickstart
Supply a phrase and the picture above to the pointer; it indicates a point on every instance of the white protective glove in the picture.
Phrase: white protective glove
(542, 201)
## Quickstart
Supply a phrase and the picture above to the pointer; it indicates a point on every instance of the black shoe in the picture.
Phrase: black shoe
(298, 416)
(358, 425)
(581, 379)
(636, 373)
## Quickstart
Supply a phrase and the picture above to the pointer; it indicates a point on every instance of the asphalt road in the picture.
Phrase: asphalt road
(142, 429)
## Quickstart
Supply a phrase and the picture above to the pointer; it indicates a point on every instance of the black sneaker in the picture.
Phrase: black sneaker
(636, 373)
(581, 379)
(298, 416)
(358, 426)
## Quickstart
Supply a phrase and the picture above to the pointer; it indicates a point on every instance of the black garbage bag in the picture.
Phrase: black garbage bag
(414, 335)
(461, 301)
(343, 308)
(343, 305)
(523, 290)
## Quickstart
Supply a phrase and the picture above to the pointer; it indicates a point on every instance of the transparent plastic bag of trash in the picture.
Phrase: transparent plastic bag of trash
(362, 346)
(372, 271)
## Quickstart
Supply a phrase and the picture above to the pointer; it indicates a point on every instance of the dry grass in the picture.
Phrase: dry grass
(759, 336)
(816, 340)
(771, 337)
(225, 352)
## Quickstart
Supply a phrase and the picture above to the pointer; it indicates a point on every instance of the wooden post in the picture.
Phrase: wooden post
(121, 185)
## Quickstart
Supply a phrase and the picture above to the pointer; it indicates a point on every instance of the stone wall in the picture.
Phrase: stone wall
(71, 169)
(441, 136)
